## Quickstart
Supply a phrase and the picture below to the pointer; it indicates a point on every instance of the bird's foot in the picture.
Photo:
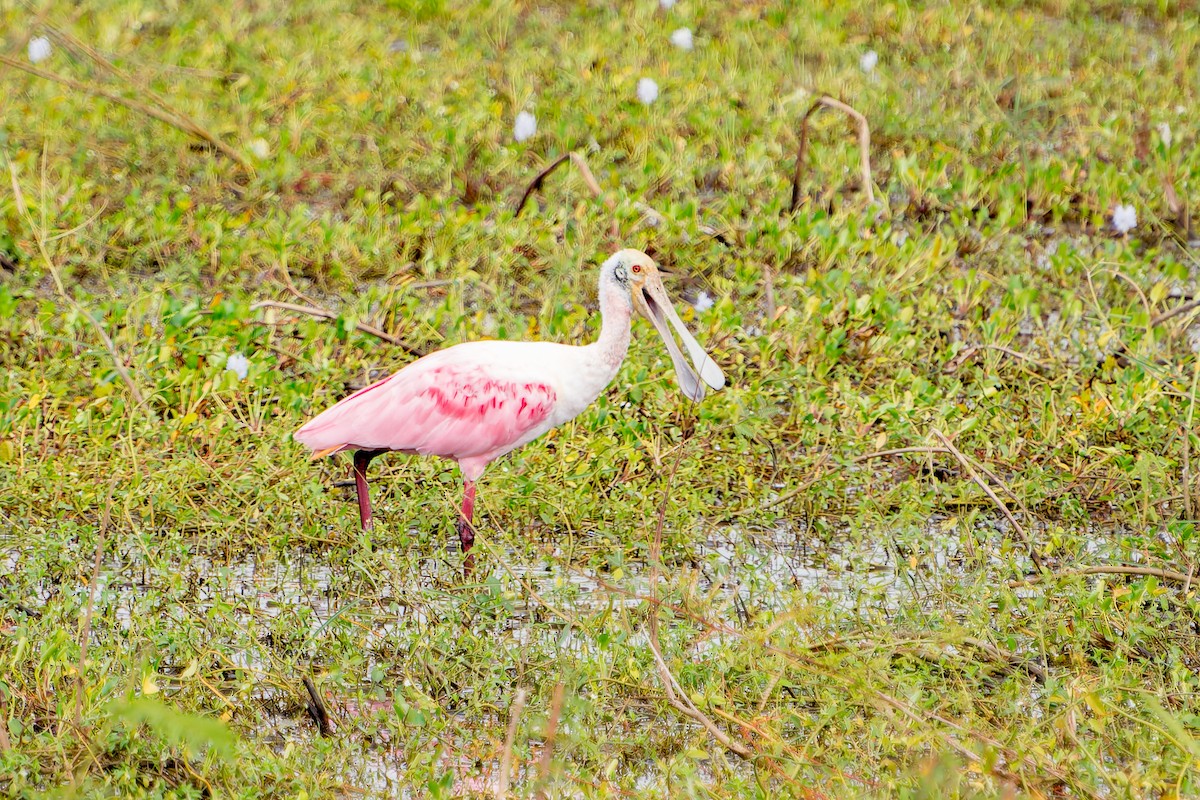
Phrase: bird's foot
(466, 534)
(466, 538)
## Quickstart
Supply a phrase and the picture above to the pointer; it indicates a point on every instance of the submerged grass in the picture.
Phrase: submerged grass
(835, 593)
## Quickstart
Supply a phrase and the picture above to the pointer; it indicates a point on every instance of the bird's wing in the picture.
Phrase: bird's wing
(453, 407)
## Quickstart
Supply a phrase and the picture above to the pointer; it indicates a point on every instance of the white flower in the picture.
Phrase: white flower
(647, 91)
(239, 365)
(1124, 219)
(525, 127)
(666, 5)
(1164, 133)
(703, 303)
(682, 38)
(868, 61)
(39, 49)
(260, 148)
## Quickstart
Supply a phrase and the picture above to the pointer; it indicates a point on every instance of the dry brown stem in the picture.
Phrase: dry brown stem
(676, 696)
(514, 719)
(324, 313)
(176, 119)
(86, 632)
(588, 178)
(864, 145)
(1107, 569)
(556, 703)
(679, 700)
(898, 451)
(39, 235)
(1183, 308)
(924, 719)
(316, 707)
(979, 481)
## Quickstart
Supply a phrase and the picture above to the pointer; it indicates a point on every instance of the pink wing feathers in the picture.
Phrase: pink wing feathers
(436, 406)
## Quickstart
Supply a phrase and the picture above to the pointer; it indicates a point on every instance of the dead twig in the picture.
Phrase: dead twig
(1007, 659)
(792, 493)
(971, 351)
(324, 313)
(588, 178)
(996, 480)
(86, 633)
(291, 286)
(676, 696)
(965, 355)
(169, 115)
(864, 144)
(117, 361)
(39, 235)
(5, 744)
(898, 451)
(1174, 312)
(679, 700)
(536, 183)
(881, 699)
(1106, 569)
(556, 703)
(1188, 506)
(316, 707)
(979, 481)
(514, 719)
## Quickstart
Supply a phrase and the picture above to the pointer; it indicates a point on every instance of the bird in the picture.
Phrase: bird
(477, 401)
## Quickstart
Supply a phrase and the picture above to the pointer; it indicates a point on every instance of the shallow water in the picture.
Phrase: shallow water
(257, 589)
(851, 577)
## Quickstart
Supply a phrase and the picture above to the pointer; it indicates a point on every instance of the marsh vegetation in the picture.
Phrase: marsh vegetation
(935, 538)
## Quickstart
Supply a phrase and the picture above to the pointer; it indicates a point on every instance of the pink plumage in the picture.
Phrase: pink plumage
(450, 404)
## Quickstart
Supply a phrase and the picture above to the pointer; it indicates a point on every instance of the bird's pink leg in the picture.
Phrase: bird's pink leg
(361, 459)
(466, 531)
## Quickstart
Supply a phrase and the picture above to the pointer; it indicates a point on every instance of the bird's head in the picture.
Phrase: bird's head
(637, 272)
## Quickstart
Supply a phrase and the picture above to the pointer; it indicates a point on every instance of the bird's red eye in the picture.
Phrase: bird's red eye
(637, 267)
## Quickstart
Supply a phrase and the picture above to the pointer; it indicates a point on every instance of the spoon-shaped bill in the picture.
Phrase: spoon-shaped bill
(654, 304)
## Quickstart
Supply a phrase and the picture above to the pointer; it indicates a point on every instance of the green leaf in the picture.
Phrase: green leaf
(190, 731)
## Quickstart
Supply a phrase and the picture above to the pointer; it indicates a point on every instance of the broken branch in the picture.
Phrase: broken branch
(316, 708)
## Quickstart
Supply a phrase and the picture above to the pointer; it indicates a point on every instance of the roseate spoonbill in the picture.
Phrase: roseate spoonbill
(476, 401)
